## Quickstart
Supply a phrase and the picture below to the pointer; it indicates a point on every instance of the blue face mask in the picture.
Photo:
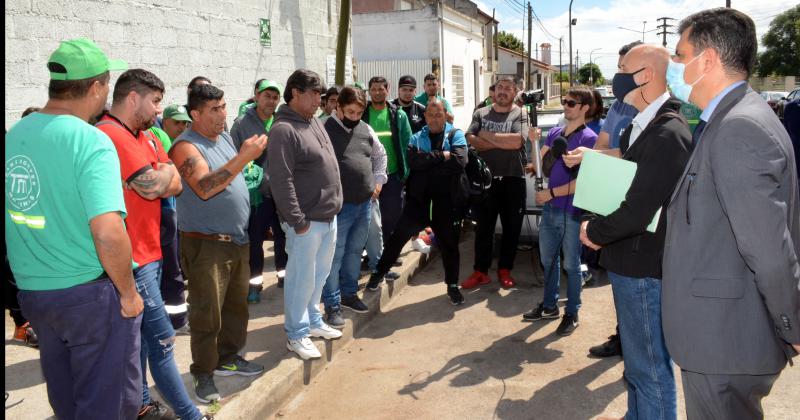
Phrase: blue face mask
(675, 81)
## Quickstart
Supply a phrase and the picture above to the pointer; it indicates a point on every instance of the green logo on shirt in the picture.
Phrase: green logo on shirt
(22, 183)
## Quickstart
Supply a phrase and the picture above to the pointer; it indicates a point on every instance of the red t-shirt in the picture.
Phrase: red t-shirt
(136, 155)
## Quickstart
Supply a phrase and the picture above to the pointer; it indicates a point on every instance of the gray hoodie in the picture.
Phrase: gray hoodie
(303, 171)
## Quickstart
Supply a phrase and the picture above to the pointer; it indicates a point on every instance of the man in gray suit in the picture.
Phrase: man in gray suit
(730, 297)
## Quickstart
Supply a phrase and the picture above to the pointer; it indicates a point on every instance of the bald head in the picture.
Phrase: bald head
(435, 115)
(648, 55)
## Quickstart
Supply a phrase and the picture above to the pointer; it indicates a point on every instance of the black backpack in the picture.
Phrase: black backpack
(478, 175)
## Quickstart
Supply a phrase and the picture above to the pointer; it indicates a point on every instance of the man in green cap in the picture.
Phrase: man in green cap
(257, 121)
(67, 244)
(175, 119)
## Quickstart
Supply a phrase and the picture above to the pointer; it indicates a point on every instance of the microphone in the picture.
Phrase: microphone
(559, 147)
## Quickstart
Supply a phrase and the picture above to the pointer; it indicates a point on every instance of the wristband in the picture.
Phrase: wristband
(551, 194)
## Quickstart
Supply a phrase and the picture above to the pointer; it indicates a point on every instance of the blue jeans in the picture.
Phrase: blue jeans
(559, 232)
(310, 257)
(352, 224)
(374, 236)
(158, 341)
(648, 368)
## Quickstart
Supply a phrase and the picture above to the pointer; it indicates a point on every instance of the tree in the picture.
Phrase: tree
(590, 71)
(562, 77)
(782, 44)
(510, 41)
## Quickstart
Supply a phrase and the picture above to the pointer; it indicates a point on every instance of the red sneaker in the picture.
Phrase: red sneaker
(505, 278)
(476, 279)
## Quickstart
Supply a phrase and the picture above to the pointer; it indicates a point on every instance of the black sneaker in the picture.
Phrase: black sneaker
(333, 317)
(240, 367)
(280, 282)
(354, 304)
(456, 298)
(569, 323)
(204, 388)
(391, 276)
(612, 347)
(156, 411)
(375, 281)
(540, 312)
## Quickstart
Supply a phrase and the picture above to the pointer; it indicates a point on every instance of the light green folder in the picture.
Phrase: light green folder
(602, 184)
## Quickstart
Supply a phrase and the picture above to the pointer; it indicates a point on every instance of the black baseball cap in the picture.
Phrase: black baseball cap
(407, 81)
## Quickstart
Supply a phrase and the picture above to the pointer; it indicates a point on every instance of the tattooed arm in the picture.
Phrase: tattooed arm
(152, 184)
(206, 183)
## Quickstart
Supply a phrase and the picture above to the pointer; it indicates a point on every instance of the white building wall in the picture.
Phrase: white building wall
(462, 45)
(410, 34)
(176, 40)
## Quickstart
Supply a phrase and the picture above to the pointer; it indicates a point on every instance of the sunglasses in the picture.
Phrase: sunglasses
(570, 103)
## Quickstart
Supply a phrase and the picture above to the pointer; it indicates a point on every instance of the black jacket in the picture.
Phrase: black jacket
(661, 152)
(415, 113)
(432, 175)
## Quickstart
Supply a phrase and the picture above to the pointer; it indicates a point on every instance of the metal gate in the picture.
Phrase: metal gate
(392, 70)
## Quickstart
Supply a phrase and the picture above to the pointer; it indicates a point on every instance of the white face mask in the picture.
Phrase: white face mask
(675, 81)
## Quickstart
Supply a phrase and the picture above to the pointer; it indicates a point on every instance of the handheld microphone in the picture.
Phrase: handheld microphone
(559, 147)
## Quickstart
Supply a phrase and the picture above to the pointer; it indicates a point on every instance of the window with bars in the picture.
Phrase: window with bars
(458, 85)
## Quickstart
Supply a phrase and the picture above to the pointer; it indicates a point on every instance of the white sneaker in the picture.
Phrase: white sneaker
(420, 246)
(325, 331)
(304, 348)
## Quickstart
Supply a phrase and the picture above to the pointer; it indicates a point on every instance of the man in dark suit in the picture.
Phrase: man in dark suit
(730, 297)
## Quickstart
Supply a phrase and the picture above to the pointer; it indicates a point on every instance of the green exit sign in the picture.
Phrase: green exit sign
(265, 32)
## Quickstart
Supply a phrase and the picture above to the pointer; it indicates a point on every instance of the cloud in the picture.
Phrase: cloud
(598, 27)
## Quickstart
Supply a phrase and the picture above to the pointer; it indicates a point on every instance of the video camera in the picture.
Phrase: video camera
(532, 97)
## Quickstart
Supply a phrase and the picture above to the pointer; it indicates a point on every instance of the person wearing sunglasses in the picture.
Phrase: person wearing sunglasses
(558, 229)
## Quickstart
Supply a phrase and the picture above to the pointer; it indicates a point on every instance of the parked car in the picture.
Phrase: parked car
(607, 102)
(773, 97)
(603, 91)
(782, 103)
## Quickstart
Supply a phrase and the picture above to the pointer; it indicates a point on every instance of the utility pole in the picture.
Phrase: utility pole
(728, 4)
(664, 30)
(570, 42)
(341, 41)
(530, 22)
(560, 68)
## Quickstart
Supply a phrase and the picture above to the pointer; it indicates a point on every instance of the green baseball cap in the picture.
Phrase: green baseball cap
(177, 113)
(79, 59)
(269, 84)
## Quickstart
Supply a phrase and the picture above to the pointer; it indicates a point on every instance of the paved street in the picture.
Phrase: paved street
(422, 358)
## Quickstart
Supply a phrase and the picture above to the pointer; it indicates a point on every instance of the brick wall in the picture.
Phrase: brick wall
(175, 39)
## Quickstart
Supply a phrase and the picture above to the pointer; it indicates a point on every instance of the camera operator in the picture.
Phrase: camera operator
(560, 223)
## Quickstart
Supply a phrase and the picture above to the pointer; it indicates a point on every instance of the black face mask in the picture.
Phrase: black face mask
(623, 84)
(351, 124)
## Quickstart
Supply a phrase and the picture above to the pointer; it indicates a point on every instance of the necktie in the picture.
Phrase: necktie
(698, 131)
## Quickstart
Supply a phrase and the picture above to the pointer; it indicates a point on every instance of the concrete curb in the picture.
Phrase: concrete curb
(269, 392)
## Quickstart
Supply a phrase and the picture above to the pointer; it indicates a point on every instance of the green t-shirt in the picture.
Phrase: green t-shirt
(60, 173)
(268, 123)
(379, 121)
(423, 99)
(163, 137)
(244, 107)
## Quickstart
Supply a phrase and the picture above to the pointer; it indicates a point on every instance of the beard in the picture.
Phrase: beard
(143, 122)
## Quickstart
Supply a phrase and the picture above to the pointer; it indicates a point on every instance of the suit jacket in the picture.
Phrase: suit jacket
(730, 297)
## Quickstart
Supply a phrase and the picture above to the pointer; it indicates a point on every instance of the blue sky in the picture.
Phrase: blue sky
(597, 29)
